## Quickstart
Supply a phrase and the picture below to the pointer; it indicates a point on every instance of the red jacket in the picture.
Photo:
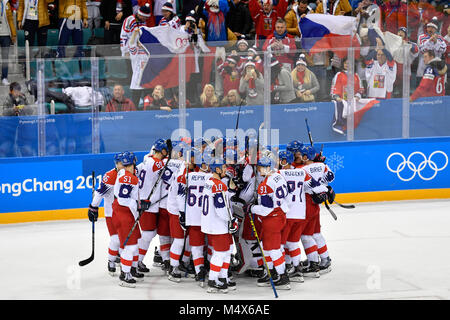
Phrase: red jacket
(265, 24)
(433, 80)
(394, 16)
(125, 105)
(282, 55)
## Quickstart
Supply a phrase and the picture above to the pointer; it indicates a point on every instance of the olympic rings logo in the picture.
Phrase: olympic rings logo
(181, 42)
(416, 169)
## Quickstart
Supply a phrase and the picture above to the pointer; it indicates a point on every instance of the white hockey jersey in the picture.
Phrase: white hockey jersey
(106, 191)
(194, 201)
(319, 175)
(126, 191)
(148, 172)
(272, 194)
(380, 79)
(138, 57)
(215, 208)
(295, 179)
(169, 176)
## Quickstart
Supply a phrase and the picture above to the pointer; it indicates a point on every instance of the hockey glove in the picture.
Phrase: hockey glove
(92, 213)
(233, 226)
(318, 198)
(182, 219)
(145, 205)
(319, 158)
(330, 194)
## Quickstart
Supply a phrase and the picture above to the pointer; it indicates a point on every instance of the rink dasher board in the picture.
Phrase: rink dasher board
(59, 187)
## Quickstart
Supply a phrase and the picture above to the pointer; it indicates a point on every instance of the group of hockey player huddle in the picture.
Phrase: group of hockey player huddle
(217, 210)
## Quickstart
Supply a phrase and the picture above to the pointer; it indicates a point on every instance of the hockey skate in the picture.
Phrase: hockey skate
(165, 267)
(312, 270)
(174, 274)
(265, 280)
(231, 285)
(255, 272)
(142, 268)
(325, 266)
(189, 271)
(283, 283)
(297, 275)
(200, 277)
(217, 286)
(290, 268)
(112, 268)
(157, 259)
(127, 280)
(137, 275)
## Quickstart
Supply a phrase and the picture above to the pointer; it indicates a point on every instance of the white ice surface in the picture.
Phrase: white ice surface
(390, 250)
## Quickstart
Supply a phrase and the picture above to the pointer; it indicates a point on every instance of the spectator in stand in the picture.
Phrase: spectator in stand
(394, 15)
(299, 10)
(114, 13)
(241, 52)
(252, 84)
(399, 57)
(381, 72)
(252, 55)
(231, 99)
(208, 97)
(282, 87)
(119, 102)
(7, 37)
(432, 83)
(368, 14)
(169, 16)
(94, 18)
(130, 24)
(16, 103)
(281, 45)
(335, 7)
(157, 100)
(447, 60)
(431, 40)
(238, 19)
(419, 14)
(188, 6)
(150, 22)
(72, 18)
(304, 81)
(230, 75)
(213, 21)
(264, 16)
(33, 18)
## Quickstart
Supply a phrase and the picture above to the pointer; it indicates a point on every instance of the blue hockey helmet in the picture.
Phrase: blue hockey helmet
(160, 145)
(309, 152)
(294, 146)
(265, 161)
(128, 158)
(286, 155)
(118, 157)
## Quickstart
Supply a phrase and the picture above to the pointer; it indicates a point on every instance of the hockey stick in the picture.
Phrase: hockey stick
(309, 132)
(169, 151)
(329, 209)
(263, 256)
(91, 258)
(345, 206)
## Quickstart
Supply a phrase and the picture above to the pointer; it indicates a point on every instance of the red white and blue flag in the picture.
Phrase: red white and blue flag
(324, 32)
(163, 45)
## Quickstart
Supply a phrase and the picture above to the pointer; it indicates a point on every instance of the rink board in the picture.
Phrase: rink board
(60, 187)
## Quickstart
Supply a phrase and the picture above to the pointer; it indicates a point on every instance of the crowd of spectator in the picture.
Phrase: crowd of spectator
(241, 31)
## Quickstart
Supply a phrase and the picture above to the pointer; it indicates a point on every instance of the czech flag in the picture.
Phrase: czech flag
(164, 44)
(324, 32)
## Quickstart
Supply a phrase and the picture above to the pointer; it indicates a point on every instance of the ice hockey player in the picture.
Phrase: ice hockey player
(149, 171)
(190, 196)
(106, 191)
(125, 212)
(295, 217)
(294, 147)
(317, 191)
(271, 209)
(218, 224)
(177, 234)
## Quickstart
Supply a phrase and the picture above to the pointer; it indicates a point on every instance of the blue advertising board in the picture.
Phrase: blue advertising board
(64, 182)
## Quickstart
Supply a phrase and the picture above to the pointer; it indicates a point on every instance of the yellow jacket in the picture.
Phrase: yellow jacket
(342, 6)
(9, 17)
(292, 23)
(73, 9)
(44, 20)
